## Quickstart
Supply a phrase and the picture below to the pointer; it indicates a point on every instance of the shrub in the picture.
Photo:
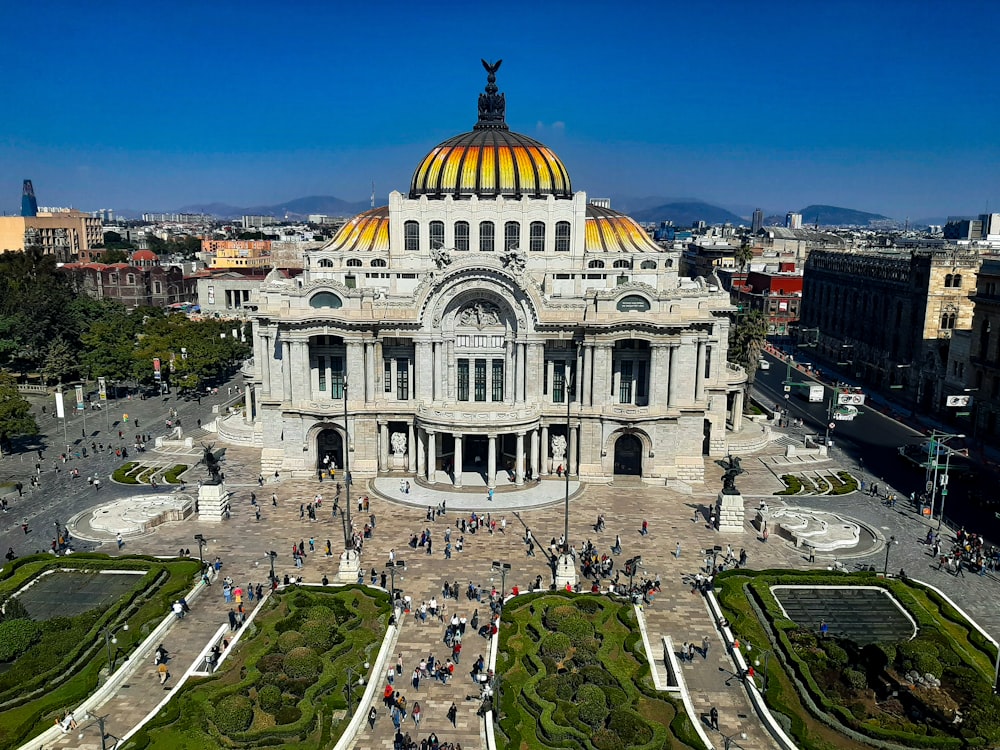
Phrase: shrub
(615, 695)
(302, 662)
(590, 694)
(593, 713)
(287, 715)
(555, 645)
(836, 655)
(13, 609)
(605, 740)
(855, 679)
(927, 664)
(567, 684)
(577, 629)
(290, 640)
(586, 653)
(317, 634)
(556, 614)
(271, 663)
(233, 714)
(588, 605)
(630, 727)
(547, 688)
(596, 675)
(269, 698)
(16, 637)
(322, 613)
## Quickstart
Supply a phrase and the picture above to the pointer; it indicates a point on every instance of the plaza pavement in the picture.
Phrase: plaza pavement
(242, 543)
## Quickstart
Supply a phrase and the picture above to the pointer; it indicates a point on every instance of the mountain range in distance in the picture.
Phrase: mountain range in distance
(683, 212)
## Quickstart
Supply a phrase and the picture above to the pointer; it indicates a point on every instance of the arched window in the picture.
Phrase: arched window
(648, 265)
(462, 235)
(562, 237)
(623, 264)
(511, 235)
(411, 236)
(130, 278)
(325, 299)
(947, 280)
(487, 233)
(947, 321)
(378, 263)
(670, 262)
(354, 262)
(437, 234)
(956, 280)
(596, 264)
(325, 263)
(537, 237)
(984, 339)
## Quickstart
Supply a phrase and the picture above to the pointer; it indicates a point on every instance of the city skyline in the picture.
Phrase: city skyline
(774, 105)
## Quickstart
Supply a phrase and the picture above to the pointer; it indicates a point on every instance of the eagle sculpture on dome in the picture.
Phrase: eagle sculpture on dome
(491, 68)
(492, 106)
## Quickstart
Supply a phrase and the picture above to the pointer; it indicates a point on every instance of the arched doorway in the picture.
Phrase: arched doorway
(329, 449)
(628, 455)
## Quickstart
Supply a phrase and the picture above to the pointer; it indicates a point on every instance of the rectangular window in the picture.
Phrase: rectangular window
(387, 376)
(462, 235)
(536, 242)
(708, 362)
(437, 234)
(480, 380)
(337, 377)
(411, 236)
(558, 383)
(321, 368)
(486, 236)
(641, 381)
(498, 380)
(511, 235)
(562, 237)
(402, 379)
(463, 380)
(625, 382)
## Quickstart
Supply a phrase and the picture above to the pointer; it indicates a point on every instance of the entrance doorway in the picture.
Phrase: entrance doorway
(628, 455)
(476, 447)
(329, 445)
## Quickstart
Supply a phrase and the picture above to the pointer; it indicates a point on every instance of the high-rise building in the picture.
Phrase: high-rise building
(793, 220)
(29, 206)
(758, 220)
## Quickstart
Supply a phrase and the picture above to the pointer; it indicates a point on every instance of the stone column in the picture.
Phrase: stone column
(534, 453)
(699, 372)
(266, 355)
(411, 449)
(543, 468)
(550, 376)
(355, 368)
(247, 404)
(458, 459)
(448, 371)
(491, 462)
(370, 395)
(431, 458)
(571, 462)
(509, 372)
(421, 452)
(616, 379)
(424, 374)
(521, 375)
(286, 371)
(413, 377)
(383, 446)
(534, 362)
(436, 380)
(602, 375)
(578, 379)
(656, 380)
(672, 378)
(588, 376)
(395, 379)
(519, 463)
(738, 411)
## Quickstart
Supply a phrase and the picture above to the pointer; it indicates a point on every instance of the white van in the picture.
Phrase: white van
(763, 364)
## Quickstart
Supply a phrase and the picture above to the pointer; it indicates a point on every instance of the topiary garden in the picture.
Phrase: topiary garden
(284, 684)
(932, 691)
(573, 674)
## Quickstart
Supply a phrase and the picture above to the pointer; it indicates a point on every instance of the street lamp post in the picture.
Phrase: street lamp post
(934, 449)
(392, 567)
(565, 566)
(271, 556)
(503, 569)
(888, 547)
(631, 566)
(100, 724)
(348, 547)
(767, 654)
(200, 538)
(109, 639)
(729, 741)
(351, 671)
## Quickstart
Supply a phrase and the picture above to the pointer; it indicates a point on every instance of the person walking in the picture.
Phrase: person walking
(705, 643)
(713, 718)
(415, 680)
(677, 551)
(416, 714)
(372, 716)
(645, 527)
(118, 538)
(453, 714)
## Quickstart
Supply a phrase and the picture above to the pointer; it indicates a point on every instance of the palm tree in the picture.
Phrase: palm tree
(747, 337)
(744, 254)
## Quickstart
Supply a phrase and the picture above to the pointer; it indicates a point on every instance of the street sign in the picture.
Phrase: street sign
(850, 397)
(788, 388)
(929, 486)
(832, 425)
(957, 400)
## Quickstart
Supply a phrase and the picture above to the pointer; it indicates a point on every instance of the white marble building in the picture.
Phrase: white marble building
(455, 324)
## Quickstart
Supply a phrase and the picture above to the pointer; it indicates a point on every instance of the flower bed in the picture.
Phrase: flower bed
(872, 690)
(573, 674)
(286, 680)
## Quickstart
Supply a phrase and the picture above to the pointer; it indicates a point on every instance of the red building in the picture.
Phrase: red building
(141, 283)
(776, 294)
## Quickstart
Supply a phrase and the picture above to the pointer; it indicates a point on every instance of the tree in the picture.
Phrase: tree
(747, 336)
(15, 412)
(60, 361)
(114, 255)
(743, 255)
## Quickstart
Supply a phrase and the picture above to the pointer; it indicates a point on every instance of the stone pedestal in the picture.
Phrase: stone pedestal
(350, 564)
(729, 512)
(397, 462)
(212, 501)
(565, 572)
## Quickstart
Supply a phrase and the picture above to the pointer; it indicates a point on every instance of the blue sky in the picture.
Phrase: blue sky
(889, 106)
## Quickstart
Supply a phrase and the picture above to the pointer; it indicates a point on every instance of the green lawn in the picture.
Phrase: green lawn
(573, 674)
